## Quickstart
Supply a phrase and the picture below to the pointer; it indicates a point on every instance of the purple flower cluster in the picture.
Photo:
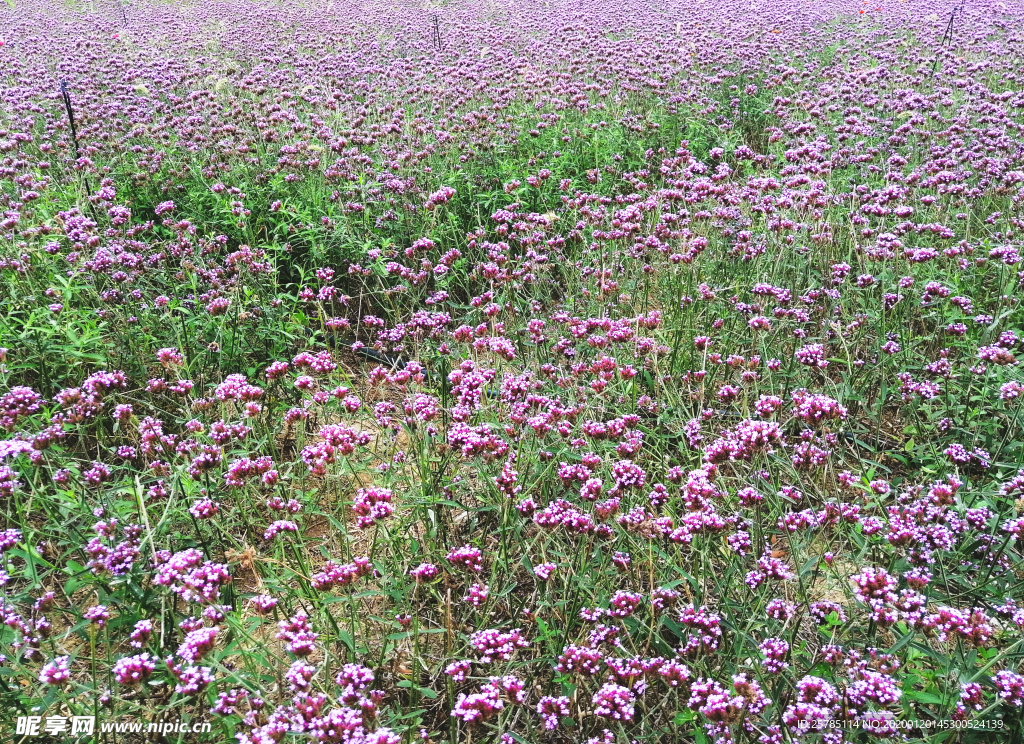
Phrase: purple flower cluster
(493, 644)
(134, 670)
(298, 635)
(467, 556)
(192, 577)
(371, 505)
(341, 574)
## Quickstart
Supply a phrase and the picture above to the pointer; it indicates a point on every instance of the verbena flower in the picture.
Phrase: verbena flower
(134, 670)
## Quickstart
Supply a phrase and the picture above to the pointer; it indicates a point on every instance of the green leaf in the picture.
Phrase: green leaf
(923, 697)
(684, 716)
(903, 641)
(518, 738)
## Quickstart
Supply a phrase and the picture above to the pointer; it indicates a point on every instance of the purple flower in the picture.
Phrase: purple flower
(334, 574)
(298, 635)
(1010, 687)
(133, 670)
(820, 611)
(477, 595)
(582, 660)
(704, 630)
(371, 505)
(755, 698)
(467, 556)
(624, 604)
(8, 481)
(424, 572)
(57, 672)
(353, 679)
(780, 609)
(972, 695)
(615, 702)
(197, 644)
(9, 538)
(478, 706)
(98, 614)
(191, 680)
(775, 651)
(458, 670)
(492, 644)
(812, 355)
(192, 578)
(815, 408)
(263, 603)
(17, 403)
(141, 633)
(874, 587)
(276, 528)
(873, 687)
(203, 509)
(550, 709)
(544, 571)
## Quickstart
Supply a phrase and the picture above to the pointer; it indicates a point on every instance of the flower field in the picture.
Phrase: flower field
(512, 371)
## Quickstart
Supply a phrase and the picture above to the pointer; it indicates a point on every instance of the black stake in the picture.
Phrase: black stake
(74, 138)
(947, 35)
(124, 16)
(71, 116)
(437, 33)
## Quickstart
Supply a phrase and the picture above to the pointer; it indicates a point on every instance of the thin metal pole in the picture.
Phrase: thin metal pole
(947, 35)
(71, 116)
(74, 139)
